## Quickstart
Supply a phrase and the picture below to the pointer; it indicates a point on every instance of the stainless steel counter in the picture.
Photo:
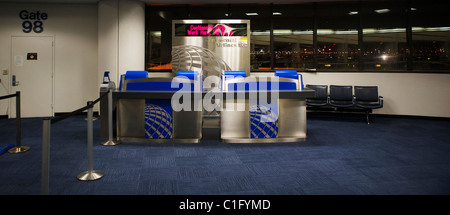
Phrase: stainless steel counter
(234, 124)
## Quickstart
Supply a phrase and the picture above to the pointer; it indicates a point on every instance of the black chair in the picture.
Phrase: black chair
(366, 97)
(341, 96)
(321, 98)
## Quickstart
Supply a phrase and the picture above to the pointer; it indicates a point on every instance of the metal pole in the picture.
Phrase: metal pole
(90, 174)
(45, 156)
(110, 141)
(89, 138)
(18, 148)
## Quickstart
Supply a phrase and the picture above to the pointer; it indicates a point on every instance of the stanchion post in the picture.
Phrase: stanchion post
(110, 141)
(18, 148)
(45, 156)
(90, 174)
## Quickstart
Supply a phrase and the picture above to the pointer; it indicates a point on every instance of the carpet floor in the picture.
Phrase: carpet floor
(341, 156)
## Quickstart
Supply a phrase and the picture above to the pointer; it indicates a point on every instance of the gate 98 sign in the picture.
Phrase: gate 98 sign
(32, 21)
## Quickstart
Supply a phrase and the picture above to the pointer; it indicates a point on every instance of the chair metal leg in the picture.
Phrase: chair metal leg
(367, 117)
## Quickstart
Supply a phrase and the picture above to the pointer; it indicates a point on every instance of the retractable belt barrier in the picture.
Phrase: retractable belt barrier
(88, 175)
(18, 148)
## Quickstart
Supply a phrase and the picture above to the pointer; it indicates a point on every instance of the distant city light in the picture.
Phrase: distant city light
(383, 11)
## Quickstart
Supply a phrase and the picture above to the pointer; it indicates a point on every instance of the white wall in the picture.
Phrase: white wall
(418, 94)
(411, 94)
(121, 36)
(74, 27)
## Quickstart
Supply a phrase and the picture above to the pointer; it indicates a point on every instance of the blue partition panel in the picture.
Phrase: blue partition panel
(136, 74)
(286, 74)
(263, 122)
(158, 86)
(191, 75)
(246, 86)
(234, 73)
(290, 74)
(158, 119)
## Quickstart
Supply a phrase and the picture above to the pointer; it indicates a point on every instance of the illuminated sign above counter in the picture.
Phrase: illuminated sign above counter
(211, 47)
(208, 29)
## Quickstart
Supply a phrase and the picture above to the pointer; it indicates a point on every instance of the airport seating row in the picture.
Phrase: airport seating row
(345, 97)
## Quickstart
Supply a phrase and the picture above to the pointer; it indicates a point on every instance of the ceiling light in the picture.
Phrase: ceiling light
(382, 11)
(324, 31)
(350, 31)
(352, 13)
(282, 32)
(369, 30)
(251, 14)
(277, 13)
(307, 32)
(260, 33)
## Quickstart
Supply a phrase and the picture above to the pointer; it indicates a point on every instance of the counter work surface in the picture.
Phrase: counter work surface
(282, 94)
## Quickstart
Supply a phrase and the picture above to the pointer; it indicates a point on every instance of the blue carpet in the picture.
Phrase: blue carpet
(341, 156)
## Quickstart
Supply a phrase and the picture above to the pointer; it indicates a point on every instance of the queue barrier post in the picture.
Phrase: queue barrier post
(87, 175)
(45, 156)
(90, 174)
(111, 141)
(18, 148)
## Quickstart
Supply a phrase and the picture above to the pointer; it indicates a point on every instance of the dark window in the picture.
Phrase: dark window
(159, 35)
(384, 35)
(293, 36)
(430, 36)
(259, 16)
(337, 36)
(403, 35)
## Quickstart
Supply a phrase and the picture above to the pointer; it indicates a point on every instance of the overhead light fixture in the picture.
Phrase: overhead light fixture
(227, 14)
(277, 14)
(307, 32)
(369, 30)
(352, 13)
(380, 11)
(260, 33)
(251, 14)
(282, 32)
(350, 31)
(325, 31)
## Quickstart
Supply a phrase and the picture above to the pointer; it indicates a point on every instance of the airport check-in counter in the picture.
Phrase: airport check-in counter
(145, 112)
(274, 112)
(252, 109)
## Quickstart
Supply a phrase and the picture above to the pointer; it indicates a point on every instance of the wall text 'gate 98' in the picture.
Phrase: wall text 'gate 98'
(32, 21)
